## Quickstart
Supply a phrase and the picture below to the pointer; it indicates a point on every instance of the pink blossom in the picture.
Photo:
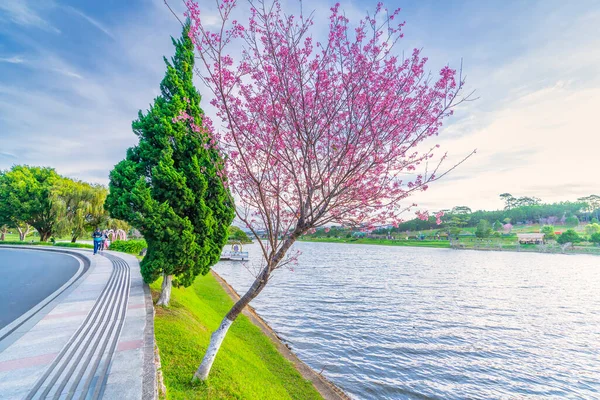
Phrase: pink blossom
(320, 133)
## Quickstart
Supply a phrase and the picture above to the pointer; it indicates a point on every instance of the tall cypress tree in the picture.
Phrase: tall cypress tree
(168, 186)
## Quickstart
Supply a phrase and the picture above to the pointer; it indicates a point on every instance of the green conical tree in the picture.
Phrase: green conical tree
(168, 187)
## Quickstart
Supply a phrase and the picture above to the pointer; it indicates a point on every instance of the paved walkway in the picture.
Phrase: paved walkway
(93, 340)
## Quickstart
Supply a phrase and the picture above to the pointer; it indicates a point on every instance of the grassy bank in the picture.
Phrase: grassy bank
(443, 244)
(248, 365)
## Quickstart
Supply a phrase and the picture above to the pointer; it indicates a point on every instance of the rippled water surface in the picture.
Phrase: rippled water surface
(396, 323)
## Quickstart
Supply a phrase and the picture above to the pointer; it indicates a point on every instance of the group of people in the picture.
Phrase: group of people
(101, 241)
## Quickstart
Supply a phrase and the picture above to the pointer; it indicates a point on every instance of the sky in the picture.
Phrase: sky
(73, 75)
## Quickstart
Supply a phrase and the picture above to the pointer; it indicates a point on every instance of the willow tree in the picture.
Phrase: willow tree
(79, 207)
(168, 186)
(317, 133)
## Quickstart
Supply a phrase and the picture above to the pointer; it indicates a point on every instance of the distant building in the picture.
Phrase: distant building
(531, 238)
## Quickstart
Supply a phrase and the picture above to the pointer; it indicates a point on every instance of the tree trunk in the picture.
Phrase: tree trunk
(2, 237)
(44, 236)
(165, 293)
(216, 339)
(73, 239)
(259, 284)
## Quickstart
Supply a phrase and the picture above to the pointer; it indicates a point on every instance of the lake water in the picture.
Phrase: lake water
(415, 323)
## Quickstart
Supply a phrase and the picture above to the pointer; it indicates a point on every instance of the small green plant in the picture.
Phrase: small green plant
(128, 246)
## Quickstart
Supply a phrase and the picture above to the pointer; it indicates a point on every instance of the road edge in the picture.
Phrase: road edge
(13, 331)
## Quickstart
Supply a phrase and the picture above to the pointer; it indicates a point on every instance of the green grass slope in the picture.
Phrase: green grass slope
(248, 365)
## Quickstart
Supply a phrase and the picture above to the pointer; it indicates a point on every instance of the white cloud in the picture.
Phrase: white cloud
(91, 20)
(20, 13)
(12, 60)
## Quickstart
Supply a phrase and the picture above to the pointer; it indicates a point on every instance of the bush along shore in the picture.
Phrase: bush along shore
(249, 365)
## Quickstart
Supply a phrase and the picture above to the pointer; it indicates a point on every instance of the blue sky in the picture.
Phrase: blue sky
(73, 75)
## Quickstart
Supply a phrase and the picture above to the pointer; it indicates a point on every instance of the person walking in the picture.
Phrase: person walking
(105, 240)
(97, 235)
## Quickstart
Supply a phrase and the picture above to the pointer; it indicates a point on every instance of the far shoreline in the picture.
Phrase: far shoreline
(444, 244)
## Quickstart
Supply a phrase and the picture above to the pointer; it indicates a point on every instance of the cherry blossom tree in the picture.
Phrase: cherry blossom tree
(317, 133)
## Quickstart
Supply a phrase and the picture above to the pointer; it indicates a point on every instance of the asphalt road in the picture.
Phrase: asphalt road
(28, 277)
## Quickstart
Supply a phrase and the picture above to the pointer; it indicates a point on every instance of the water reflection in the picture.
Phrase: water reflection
(395, 322)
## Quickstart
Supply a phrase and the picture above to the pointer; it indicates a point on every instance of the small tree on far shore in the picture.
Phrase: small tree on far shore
(571, 221)
(497, 226)
(318, 133)
(235, 233)
(169, 186)
(484, 229)
(569, 236)
(548, 231)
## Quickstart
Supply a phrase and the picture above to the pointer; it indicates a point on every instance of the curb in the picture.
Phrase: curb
(149, 380)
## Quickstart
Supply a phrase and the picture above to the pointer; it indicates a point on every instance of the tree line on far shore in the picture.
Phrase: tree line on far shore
(518, 211)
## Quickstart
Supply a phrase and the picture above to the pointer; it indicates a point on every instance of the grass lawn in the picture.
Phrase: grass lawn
(248, 365)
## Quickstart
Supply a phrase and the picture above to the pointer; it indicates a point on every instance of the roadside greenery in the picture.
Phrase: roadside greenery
(249, 365)
(74, 245)
(128, 246)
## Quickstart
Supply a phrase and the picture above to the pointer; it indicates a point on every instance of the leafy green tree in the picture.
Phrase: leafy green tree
(594, 220)
(569, 236)
(548, 231)
(572, 221)
(235, 233)
(484, 229)
(25, 199)
(590, 229)
(169, 186)
(595, 238)
(497, 226)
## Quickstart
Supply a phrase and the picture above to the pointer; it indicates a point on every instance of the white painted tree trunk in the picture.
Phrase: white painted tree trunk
(216, 340)
(165, 293)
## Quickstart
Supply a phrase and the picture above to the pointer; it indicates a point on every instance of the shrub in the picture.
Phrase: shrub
(595, 238)
(128, 246)
(25, 243)
(570, 236)
(74, 245)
